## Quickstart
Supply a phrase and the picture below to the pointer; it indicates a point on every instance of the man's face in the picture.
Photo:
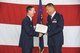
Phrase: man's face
(49, 10)
(32, 12)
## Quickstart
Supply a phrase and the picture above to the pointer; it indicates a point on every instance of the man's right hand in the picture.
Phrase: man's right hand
(46, 33)
(34, 27)
(40, 34)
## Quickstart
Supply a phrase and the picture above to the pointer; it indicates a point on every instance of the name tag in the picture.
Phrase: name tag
(30, 25)
(54, 21)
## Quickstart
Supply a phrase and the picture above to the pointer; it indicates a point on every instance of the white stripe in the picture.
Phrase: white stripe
(36, 2)
(9, 35)
(71, 36)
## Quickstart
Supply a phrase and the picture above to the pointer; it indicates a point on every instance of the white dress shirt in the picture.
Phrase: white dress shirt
(30, 17)
(53, 14)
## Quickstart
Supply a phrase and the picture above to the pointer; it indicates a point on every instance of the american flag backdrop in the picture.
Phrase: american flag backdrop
(12, 13)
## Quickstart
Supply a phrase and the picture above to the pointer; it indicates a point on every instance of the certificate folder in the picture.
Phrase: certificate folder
(41, 28)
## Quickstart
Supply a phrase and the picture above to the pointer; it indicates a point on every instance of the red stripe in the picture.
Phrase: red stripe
(14, 13)
(16, 49)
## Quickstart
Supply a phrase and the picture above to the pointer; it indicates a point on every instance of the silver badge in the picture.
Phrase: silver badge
(54, 21)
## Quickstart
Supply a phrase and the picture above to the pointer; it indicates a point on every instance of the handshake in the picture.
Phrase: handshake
(41, 34)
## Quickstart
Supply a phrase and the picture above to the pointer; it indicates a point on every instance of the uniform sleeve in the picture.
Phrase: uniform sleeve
(30, 31)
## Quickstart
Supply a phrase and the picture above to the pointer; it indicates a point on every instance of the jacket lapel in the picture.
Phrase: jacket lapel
(30, 20)
(54, 19)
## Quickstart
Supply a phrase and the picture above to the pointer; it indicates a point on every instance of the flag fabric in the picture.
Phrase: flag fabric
(41, 41)
(40, 12)
(12, 12)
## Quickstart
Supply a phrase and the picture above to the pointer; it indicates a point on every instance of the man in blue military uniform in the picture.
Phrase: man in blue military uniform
(55, 25)
(28, 31)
